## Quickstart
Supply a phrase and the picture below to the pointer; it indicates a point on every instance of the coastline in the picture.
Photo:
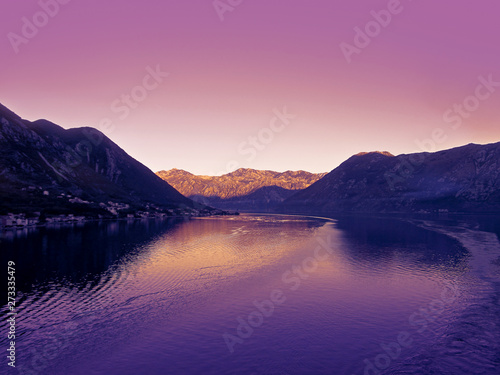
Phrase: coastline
(71, 220)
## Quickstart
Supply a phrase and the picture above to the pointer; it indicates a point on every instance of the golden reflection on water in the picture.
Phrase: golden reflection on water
(229, 244)
(213, 249)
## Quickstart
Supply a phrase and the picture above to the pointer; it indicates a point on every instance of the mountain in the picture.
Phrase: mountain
(243, 189)
(236, 184)
(263, 199)
(462, 179)
(44, 167)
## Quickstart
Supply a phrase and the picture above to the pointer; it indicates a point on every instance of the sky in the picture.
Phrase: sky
(212, 86)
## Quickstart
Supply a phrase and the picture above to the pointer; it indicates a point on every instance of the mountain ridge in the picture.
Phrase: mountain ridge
(244, 189)
(41, 164)
(461, 179)
(238, 183)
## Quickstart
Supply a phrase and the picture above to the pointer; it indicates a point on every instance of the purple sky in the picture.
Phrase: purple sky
(227, 78)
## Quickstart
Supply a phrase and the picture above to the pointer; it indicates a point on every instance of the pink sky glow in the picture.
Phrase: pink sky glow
(228, 78)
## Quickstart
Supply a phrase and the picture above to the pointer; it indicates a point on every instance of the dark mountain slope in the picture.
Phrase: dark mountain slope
(263, 199)
(40, 161)
(463, 179)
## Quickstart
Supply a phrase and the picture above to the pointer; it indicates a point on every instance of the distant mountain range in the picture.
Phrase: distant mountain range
(44, 167)
(243, 189)
(463, 179)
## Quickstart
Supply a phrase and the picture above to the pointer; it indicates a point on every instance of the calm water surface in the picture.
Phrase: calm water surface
(257, 295)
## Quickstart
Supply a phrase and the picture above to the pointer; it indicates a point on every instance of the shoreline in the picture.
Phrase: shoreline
(90, 220)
